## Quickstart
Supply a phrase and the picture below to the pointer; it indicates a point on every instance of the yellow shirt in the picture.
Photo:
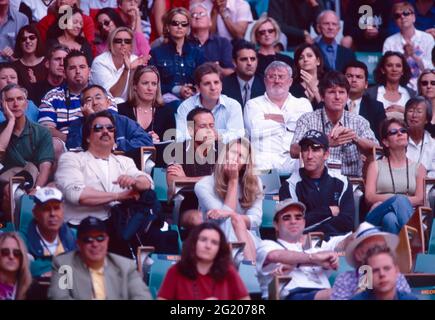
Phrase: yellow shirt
(99, 289)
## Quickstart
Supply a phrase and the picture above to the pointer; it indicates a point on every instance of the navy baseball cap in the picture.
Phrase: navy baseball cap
(315, 137)
(91, 224)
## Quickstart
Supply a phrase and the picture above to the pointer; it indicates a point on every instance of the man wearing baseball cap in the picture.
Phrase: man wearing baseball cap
(96, 273)
(366, 237)
(291, 254)
(47, 234)
(329, 199)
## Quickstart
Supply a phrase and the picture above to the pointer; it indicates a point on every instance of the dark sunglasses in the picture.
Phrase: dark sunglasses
(315, 147)
(6, 252)
(402, 14)
(105, 23)
(297, 217)
(263, 32)
(100, 127)
(393, 132)
(90, 239)
(184, 24)
(31, 38)
(121, 40)
(424, 83)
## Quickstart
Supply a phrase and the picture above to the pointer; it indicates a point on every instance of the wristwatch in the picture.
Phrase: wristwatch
(226, 13)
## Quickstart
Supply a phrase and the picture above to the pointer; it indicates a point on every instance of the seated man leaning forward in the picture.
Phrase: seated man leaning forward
(287, 255)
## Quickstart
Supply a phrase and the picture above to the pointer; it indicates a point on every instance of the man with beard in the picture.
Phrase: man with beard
(271, 118)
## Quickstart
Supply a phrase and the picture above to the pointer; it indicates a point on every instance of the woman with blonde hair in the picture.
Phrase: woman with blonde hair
(15, 277)
(145, 104)
(266, 34)
(232, 196)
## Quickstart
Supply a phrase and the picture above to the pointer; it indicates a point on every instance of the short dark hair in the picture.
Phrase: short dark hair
(357, 64)
(416, 101)
(54, 48)
(204, 69)
(187, 266)
(92, 86)
(87, 126)
(74, 54)
(333, 79)
(31, 28)
(381, 78)
(191, 115)
(8, 65)
(240, 45)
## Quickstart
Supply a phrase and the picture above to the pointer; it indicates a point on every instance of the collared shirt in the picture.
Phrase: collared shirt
(423, 152)
(217, 48)
(227, 116)
(357, 106)
(404, 97)
(348, 155)
(9, 29)
(271, 140)
(98, 285)
(329, 50)
(50, 248)
(242, 84)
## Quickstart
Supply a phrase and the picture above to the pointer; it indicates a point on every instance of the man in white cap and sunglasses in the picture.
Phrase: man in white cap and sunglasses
(367, 236)
(292, 254)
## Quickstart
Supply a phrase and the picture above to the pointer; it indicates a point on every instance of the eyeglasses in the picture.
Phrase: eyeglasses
(425, 83)
(263, 32)
(184, 24)
(6, 252)
(105, 23)
(313, 146)
(121, 40)
(100, 127)
(280, 77)
(402, 14)
(297, 217)
(393, 132)
(198, 15)
(90, 239)
(32, 37)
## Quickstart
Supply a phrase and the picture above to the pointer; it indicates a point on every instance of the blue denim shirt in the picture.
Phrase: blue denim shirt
(175, 69)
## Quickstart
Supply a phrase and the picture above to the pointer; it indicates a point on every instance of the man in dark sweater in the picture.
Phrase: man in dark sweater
(329, 199)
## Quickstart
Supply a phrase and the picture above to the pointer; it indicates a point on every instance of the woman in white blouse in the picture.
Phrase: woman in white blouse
(112, 69)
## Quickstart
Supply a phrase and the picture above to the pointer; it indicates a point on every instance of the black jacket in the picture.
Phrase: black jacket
(231, 88)
(332, 191)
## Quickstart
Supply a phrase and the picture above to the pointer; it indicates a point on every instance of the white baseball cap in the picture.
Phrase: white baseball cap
(46, 194)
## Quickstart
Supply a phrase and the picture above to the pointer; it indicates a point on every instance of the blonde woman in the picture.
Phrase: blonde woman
(15, 277)
(232, 196)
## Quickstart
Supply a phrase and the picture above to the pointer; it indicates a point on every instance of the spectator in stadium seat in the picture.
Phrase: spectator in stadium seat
(394, 184)
(205, 271)
(15, 277)
(266, 33)
(97, 274)
(359, 102)
(291, 254)
(426, 88)
(385, 270)
(367, 236)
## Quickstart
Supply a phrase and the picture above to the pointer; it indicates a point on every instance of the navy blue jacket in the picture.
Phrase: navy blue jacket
(369, 295)
(331, 191)
(231, 88)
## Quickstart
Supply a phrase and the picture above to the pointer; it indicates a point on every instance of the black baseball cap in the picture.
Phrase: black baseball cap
(91, 224)
(315, 137)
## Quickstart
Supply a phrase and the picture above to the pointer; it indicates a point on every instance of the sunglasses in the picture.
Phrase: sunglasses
(121, 40)
(100, 127)
(313, 146)
(31, 38)
(393, 132)
(105, 23)
(263, 32)
(6, 252)
(198, 15)
(425, 83)
(90, 239)
(184, 24)
(402, 14)
(297, 217)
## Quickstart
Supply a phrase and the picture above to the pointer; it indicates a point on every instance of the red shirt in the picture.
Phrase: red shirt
(177, 287)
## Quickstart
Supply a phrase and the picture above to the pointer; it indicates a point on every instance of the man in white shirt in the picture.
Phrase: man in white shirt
(290, 254)
(270, 120)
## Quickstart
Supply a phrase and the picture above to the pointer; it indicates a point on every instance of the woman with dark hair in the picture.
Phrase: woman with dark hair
(205, 271)
(15, 277)
(308, 71)
(392, 75)
(107, 21)
(394, 184)
(145, 104)
(29, 51)
(426, 88)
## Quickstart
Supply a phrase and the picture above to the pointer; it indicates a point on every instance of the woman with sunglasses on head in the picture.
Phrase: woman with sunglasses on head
(145, 104)
(426, 88)
(107, 21)
(266, 34)
(394, 184)
(205, 270)
(112, 69)
(176, 59)
(15, 277)
(29, 51)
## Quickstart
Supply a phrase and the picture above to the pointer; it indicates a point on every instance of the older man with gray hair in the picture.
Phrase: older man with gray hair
(270, 119)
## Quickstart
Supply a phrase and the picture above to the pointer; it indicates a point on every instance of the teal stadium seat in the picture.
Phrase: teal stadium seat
(158, 270)
(161, 187)
(248, 273)
(425, 263)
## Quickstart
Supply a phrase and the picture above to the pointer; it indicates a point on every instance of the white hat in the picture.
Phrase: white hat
(42, 195)
(364, 231)
(280, 206)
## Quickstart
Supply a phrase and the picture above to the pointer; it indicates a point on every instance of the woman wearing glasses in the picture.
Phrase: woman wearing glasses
(176, 59)
(394, 184)
(107, 21)
(15, 278)
(426, 88)
(266, 34)
(145, 103)
(112, 69)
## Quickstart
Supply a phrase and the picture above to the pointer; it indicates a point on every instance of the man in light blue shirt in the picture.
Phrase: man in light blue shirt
(226, 111)
(11, 21)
